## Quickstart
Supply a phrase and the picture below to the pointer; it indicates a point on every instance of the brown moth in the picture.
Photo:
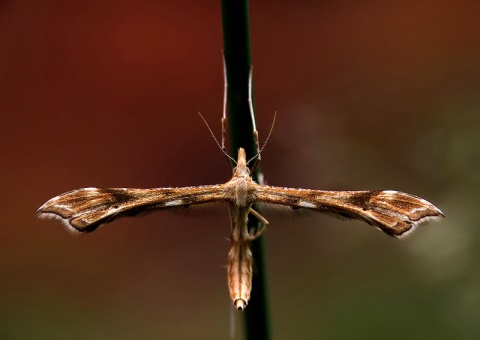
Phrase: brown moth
(393, 212)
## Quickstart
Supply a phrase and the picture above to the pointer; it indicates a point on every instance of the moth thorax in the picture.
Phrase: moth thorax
(241, 192)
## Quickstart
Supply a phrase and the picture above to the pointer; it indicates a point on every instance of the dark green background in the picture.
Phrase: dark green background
(369, 95)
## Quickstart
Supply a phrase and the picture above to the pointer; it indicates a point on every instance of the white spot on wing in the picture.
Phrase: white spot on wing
(305, 204)
(64, 207)
(90, 189)
(174, 203)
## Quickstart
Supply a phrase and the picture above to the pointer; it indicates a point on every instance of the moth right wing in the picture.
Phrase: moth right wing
(394, 212)
(84, 210)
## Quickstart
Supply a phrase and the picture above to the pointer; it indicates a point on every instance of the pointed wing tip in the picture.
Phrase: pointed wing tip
(42, 210)
(437, 213)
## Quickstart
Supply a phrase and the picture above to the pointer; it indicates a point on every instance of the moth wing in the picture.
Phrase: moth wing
(84, 210)
(395, 213)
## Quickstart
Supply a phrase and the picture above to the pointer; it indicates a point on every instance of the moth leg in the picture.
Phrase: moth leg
(252, 113)
(259, 231)
(224, 114)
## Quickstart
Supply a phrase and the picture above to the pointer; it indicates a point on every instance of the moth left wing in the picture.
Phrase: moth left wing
(84, 210)
(395, 213)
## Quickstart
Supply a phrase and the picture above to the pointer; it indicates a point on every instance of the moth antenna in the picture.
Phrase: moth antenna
(264, 144)
(269, 132)
(216, 141)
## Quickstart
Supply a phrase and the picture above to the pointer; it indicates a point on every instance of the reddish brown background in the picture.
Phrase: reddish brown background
(369, 94)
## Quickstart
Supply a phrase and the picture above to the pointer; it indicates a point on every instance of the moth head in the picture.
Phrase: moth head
(241, 169)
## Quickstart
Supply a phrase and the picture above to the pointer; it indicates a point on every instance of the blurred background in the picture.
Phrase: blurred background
(369, 95)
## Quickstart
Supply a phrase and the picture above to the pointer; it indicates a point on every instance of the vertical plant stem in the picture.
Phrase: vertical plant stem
(236, 37)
